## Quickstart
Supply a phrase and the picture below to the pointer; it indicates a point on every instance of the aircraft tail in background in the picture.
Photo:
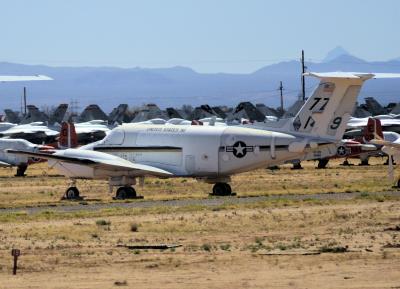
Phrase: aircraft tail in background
(68, 137)
(373, 130)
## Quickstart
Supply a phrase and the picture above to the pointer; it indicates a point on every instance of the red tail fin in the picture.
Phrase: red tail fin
(68, 137)
(373, 129)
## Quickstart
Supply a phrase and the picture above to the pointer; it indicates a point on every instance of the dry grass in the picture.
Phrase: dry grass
(222, 247)
(45, 186)
(229, 241)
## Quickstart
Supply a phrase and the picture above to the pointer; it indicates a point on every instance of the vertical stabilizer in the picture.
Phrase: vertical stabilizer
(373, 130)
(68, 137)
(326, 112)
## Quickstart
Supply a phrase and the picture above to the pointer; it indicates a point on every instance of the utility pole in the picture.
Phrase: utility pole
(24, 100)
(303, 70)
(281, 89)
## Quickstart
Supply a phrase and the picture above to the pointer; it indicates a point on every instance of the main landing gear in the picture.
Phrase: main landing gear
(125, 192)
(222, 189)
(125, 187)
(322, 163)
(21, 169)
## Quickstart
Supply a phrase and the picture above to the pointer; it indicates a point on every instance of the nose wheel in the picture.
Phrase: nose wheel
(222, 189)
(72, 193)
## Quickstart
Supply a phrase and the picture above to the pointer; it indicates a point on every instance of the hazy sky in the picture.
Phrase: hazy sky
(207, 35)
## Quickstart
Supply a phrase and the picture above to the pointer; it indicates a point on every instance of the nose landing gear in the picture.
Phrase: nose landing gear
(72, 193)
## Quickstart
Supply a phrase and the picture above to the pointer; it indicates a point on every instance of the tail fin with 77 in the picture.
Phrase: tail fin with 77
(327, 111)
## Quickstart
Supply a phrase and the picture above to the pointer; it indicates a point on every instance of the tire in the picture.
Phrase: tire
(218, 189)
(72, 193)
(322, 163)
(398, 183)
(228, 190)
(21, 169)
(131, 193)
(222, 189)
(122, 193)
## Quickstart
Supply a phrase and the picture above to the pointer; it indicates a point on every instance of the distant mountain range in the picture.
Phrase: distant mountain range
(109, 86)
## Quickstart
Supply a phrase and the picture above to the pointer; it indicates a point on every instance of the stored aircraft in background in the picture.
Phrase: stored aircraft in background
(67, 139)
(9, 160)
(358, 147)
(388, 123)
(212, 154)
(390, 143)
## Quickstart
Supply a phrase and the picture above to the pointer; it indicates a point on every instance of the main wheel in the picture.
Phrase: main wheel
(228, 190)
(297, 166)
(121, 193)
(21, 170)
(131, 193)
(222, 189)
(125, 193)
(322, 163)
(72, 193)
(364, 162)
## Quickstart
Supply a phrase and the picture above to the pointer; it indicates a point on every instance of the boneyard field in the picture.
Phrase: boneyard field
(274, 243)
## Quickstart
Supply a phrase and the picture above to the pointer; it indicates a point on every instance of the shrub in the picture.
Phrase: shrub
(103, 223)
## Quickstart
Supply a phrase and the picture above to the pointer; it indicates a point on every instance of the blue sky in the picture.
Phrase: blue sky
(206, 35)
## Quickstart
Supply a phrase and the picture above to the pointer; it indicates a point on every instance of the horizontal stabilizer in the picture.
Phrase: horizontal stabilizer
(352, 75)
(386, 143)
(11, 78)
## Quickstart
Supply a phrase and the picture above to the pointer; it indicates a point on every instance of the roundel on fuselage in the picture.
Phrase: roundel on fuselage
(239, 149)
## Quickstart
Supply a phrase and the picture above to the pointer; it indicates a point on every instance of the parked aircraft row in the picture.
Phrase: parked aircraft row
(212, 153)
(208, 150)
(124, 114)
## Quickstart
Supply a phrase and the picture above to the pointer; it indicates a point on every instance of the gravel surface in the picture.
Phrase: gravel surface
(211, 201)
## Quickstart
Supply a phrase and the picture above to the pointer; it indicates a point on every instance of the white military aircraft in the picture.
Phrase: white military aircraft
(10, 160)
(36, 130)
(211, 153)
(391, 147)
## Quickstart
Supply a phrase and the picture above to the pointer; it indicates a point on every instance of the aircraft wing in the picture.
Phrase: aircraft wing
(96, 160)
(11, 78)
(4, 164)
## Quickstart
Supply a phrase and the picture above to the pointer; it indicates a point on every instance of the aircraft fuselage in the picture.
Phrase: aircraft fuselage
(197, 151)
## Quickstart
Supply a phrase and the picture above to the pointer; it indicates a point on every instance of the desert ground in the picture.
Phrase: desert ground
(310, 242)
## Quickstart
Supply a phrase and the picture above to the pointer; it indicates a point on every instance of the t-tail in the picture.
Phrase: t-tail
(327, 111)
(68, 137)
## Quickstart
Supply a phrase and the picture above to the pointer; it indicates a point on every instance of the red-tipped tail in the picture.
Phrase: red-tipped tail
(373, 130)
(68, 137)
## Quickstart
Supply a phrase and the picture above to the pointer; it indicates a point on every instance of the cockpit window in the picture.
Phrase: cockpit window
(115, 137)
